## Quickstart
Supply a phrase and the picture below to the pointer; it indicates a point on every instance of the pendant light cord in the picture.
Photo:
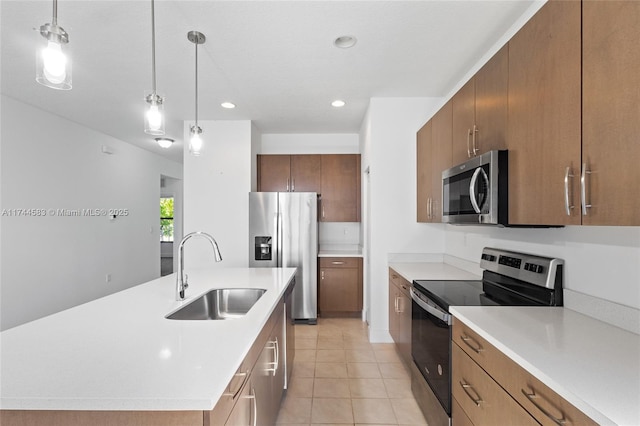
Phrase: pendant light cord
(54, 20)
(153, 47)
(196, 85)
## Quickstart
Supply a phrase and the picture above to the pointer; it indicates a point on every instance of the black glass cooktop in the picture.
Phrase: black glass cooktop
(454, 293)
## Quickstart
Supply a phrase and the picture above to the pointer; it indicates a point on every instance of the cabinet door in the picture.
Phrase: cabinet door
(394, 319)
(404, 313)
(610, 112)
(340, 200)
(463, 106)
(544, 115)
(274, 173)
(306, 173)
(441, 156)
(423, 169)
(244, 412)
(492, 84)
(339, 290)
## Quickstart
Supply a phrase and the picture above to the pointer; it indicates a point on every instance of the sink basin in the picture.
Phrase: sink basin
(219, 304)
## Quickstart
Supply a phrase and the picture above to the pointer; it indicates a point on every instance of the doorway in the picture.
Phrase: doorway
(170, 222)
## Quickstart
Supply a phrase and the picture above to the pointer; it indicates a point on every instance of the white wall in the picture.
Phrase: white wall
(603, 262)
(388, 138)
(216, 187)
(174, 188)
(51, 263)
(310, 143)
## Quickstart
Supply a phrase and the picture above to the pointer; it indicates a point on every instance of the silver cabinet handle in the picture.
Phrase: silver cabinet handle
(322, 211)
(532, 397)
(293, 185)
(429, 208)
(468, 142)
(475, 130)
(335, 262)
(274, 348)
(583, 188)
(466, 387)
(254, 406)
(567, 204)
(322, 275)
(234, 394)
(466, 339)
(287, 185)
(395, 307)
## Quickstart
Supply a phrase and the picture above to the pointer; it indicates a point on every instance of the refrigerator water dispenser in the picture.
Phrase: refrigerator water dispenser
(263, 248)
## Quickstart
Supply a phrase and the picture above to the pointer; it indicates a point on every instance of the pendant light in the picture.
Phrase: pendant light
(195, 141)
(53, 68)
(154, 116)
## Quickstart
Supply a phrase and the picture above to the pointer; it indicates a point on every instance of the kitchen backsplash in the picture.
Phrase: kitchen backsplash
(339, 233)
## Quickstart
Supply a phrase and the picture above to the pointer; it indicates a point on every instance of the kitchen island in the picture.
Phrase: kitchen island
(120, 353)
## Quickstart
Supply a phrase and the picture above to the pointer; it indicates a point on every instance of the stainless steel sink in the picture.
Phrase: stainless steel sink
(219, 304)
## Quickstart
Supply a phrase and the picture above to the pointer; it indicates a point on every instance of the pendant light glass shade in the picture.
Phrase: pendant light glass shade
(154, 115)
(53, 65)
(195, 140)
(164, 142)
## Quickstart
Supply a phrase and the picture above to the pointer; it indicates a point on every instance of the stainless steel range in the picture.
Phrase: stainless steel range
(508, 279)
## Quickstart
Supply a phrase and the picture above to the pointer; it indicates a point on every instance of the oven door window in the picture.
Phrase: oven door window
(467, 193)
(430, 348)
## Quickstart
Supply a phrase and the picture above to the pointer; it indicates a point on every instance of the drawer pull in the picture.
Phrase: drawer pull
(337, 263)
(466, 387)
(532, 397)
(466, 339)
(394, 276)
(234, 394)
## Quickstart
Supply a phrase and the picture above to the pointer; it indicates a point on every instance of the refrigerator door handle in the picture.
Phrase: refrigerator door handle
(278, 228)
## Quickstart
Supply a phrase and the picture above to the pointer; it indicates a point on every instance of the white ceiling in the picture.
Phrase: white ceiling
(274, 59)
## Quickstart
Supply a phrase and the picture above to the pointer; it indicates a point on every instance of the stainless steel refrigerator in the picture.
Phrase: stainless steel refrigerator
(283, 232)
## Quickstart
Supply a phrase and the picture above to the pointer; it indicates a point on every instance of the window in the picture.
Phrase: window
(166, 219)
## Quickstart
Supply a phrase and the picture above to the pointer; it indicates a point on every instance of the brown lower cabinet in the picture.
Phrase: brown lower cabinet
(252, 397)
(489, 388)
(400, 314)
(340, 286)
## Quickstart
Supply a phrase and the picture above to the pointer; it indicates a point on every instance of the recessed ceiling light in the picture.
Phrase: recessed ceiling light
(345, 42)
(338, 103)
(228, 105)
(164, 142)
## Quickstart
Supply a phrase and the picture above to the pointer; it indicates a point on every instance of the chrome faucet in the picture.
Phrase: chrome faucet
(181, 279)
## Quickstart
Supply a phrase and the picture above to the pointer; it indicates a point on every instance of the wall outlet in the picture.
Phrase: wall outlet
(107, 278)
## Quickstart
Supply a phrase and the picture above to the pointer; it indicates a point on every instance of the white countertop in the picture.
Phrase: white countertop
(593, 365)
(340, 253)
(431, 271)
(120, 353)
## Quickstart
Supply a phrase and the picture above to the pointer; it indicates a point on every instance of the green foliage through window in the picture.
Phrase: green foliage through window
(166, 219)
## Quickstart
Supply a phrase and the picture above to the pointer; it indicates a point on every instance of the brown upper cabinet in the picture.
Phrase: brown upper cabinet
(340, 200)
(433, 149)
(480, 110)
(424, 173)
(610, 112)
(289, 173)
(336, 177)
(544, 116)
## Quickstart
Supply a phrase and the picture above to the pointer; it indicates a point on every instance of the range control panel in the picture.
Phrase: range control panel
(531, 268)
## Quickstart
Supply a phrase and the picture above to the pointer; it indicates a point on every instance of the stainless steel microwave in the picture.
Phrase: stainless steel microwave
(476, 191)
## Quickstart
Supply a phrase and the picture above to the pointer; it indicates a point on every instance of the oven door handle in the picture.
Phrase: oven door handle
(442, 316)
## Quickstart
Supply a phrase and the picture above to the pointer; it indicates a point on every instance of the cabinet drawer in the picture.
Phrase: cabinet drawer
(538, 399)
(402, 284)
(480, 397)
(338, 262)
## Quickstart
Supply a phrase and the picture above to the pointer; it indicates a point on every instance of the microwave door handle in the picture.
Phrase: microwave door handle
(472, 192)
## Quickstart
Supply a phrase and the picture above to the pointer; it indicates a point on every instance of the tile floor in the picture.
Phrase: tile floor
(340, 378)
